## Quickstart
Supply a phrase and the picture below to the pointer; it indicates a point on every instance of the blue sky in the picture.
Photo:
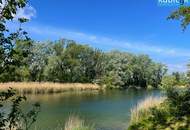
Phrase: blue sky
(137, 26)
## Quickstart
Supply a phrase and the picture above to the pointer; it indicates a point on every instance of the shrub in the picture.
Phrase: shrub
(172, 114)
(15, 118)
(143, 108)
(178, 101)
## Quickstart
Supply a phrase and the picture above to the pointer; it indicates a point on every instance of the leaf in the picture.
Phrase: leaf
(23, 20)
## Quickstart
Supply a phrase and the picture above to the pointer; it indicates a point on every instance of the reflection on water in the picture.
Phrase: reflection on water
(108, 110)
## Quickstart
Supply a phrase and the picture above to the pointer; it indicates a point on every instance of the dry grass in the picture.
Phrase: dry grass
(75, 123)
(143, 108)
(47, 87)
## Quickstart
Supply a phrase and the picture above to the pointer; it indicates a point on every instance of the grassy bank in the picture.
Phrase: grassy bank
(173, 113)
(143, 108)
(47, 87)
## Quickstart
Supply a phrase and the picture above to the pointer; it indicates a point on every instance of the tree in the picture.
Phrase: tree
(177, 76)
(71, 62)
(10, 63)
(182, 14)
(15, 118)
(123, 70)
(38, 60)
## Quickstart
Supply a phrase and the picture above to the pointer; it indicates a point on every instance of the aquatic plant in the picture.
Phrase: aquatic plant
(75, 123)
(47, 87)
(143, 108)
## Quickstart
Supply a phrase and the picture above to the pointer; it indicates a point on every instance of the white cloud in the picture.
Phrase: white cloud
(27, 12)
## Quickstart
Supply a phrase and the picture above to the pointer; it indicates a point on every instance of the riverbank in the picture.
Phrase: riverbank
(48, 87)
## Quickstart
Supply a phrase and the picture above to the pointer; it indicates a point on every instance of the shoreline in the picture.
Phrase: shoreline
(48, 87)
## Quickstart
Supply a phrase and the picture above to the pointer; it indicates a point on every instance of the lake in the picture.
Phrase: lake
(109, 110)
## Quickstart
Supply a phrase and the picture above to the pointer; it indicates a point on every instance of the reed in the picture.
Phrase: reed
(75, 123)
(142, 109)
(47, 87)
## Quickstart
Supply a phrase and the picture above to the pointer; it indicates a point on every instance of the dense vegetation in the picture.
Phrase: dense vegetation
(66, 61)
(172, 114)
(11, 114)
(22, 59)
(12, 117)
(176, 79)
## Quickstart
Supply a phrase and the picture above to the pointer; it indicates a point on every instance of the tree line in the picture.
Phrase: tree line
(66, 61)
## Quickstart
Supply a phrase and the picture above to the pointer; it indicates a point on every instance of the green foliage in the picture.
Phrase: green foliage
(176, 79)
(38, 60)
(125, 69)
(22, 59)
(12, 116)
(10, 8)
(182, 14)
(172, 114)
(67, 61)
(14, 46)
(71, 62)
(168, 81)
(178, 101)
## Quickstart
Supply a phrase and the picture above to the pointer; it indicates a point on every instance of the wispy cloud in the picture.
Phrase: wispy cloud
(27, 12)
(108, 43)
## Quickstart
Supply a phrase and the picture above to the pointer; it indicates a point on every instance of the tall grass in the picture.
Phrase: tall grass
(75, 123)
(143, 108)
(47, 87)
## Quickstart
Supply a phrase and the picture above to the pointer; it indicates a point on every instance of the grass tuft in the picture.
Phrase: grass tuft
(143, 108)
(75, 123)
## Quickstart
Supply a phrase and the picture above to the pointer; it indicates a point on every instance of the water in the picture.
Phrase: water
(108, 110)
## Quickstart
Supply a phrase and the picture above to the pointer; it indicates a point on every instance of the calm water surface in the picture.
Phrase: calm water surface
(108, 110)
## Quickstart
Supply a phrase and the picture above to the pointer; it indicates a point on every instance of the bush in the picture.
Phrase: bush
(15, 118)
(143, 108)
(168, 81)
(178, 101)
(172, 114)
(175, 80)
